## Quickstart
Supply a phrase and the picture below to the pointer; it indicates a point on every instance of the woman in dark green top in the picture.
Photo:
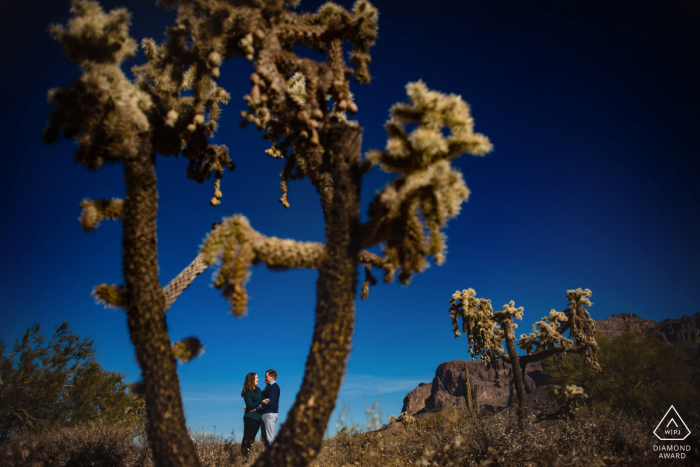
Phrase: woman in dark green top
(252, 395)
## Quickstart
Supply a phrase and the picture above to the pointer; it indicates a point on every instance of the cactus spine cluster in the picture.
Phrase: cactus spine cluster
(488, 332)
(301, 106)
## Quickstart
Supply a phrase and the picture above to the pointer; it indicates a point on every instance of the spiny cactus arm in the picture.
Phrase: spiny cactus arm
(582, 326)
(239, 246)
(107, 112)
(103, 110)
(95, 211)
(183, 280)
(545, 353)
(288, 98)
(187, 349)
(408, 214)
(184, 124)
(369, 260)
(547, 333)
(547, 338)
(110, 296)
(114, 296)
(484, 334)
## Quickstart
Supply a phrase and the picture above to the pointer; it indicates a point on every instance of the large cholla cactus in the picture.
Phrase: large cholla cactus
(301, 106)
(488, 332)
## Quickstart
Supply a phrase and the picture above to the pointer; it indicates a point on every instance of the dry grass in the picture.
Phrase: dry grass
(446, 439)
(97, 445)
(453, 439)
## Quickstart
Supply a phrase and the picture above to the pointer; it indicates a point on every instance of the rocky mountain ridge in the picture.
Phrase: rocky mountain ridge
(682, 333)
(447, 388)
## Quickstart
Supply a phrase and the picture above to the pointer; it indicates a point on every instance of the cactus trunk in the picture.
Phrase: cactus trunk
(167, 433)
(468, 391)
(471, 395)
(518, 372)
(299, 439)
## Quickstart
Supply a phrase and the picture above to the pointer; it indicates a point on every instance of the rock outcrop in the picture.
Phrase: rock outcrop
(415, 400)
(616, 324)
(447, 388)
(682, 333)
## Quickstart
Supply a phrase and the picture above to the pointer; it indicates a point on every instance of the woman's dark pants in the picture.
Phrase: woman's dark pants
(250, 431)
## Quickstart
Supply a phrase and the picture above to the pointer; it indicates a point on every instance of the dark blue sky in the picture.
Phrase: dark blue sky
(593, 109)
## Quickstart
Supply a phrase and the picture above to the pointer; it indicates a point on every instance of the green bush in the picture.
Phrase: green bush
(47, 384)
(641, 374)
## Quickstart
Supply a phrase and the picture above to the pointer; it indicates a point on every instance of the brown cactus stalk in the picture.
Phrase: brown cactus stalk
(518, 372)
(468, 391)
(166, 429)
(299, 439)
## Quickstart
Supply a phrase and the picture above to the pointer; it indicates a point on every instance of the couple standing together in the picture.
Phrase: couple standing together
(261, 408)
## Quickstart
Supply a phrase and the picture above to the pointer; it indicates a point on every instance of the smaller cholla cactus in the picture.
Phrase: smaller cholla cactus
(488, 332)
(570, 398)
(406, 420)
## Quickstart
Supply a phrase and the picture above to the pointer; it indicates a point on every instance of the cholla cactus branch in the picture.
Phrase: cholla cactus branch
(369, 280)
(267, 250)
(110, 296)
(104, 110)
(408, 214)
(188, 349)
(288, 93)
(183, 280)
(179, 122)
(95, 211)
(478, 323)
(547, 338)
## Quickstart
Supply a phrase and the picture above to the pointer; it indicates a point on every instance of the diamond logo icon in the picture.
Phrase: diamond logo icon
(672, 427)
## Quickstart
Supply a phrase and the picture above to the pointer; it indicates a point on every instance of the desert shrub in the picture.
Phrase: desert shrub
(50, 383)
(641, 374)
(214, 450)
(101, 445)
(95, 445)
